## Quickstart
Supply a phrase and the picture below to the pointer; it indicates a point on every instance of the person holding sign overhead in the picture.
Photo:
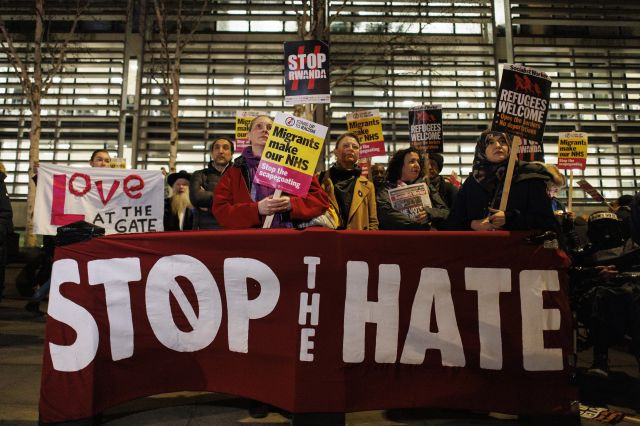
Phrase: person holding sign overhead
(405, 169)
(351, 195)
(476, 207)
(241, 203)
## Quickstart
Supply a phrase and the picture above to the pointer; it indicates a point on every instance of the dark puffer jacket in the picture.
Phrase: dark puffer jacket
(528, 207)
(201, 187)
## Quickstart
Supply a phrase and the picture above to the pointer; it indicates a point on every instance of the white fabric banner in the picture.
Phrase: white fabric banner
(119, 200)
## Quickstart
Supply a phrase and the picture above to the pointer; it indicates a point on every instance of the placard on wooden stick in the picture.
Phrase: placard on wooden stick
(521, 111)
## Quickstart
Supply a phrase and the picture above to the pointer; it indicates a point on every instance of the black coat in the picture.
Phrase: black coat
(171, 221)
(392, 219)
(201, 186)
(448, 191)
(6, 213)
(528, 207)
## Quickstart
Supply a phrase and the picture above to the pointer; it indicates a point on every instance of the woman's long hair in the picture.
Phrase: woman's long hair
(394, 170)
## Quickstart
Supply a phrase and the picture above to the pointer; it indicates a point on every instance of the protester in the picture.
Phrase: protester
(448, 191)
(377, 174)
(178, 214)
(566, 220)
(476, 207)
(606, 291)
(203, 182)
(240, 203)
(99, 158)
(406, 168)
(6, 225)
(351, 195)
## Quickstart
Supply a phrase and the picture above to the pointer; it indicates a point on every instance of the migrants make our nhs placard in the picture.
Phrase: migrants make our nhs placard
(290, 156)
(306, 72)
(572, 150)
(119, 200)
(367, 125)
(523, 102)
(243, 120)
(425, 128)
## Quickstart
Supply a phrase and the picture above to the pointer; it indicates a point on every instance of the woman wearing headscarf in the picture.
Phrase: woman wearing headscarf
(476, 207)
(406, 168)
(240, 203)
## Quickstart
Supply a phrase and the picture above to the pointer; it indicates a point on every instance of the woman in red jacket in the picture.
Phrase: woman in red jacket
(240, 203)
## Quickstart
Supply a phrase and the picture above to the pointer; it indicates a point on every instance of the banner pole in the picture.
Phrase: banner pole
(269, 219)
(513, 154)
(570, 208)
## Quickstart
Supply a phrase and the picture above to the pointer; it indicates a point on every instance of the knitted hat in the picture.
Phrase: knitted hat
(438, 159)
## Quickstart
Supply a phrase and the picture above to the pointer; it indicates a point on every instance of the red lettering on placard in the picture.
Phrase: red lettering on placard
(58, 216)
(130, 189)
(114, 187)
(87, 184)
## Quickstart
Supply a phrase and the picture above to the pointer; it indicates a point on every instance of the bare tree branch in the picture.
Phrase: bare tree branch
(59, 57)
(14, 57)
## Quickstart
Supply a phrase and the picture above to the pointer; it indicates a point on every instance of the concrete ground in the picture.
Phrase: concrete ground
(21, 342)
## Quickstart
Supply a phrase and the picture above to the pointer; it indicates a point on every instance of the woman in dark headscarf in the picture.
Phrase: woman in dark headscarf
(476, 207)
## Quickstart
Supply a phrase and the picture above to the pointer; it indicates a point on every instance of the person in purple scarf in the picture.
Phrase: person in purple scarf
(241, 203)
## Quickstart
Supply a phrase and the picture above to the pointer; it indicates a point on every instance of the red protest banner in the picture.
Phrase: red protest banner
(131, 316)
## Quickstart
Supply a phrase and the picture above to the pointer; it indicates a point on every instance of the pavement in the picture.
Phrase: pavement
(22, 339)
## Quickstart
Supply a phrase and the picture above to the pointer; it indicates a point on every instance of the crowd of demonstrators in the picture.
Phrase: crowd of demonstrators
(477, 204)
(447, 191)
(203, 183)
(240, 203)
(6, 225)
(351, 195)
(178, 211)
(406, 168)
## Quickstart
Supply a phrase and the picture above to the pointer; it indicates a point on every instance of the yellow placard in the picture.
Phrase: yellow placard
(572, 150)
(293, 148)
(243, 120)
(369, 129)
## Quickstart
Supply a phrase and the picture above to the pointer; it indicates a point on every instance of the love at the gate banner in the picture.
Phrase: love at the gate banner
(328, 322)
(306, 72)
(523, 102)
(119, 200)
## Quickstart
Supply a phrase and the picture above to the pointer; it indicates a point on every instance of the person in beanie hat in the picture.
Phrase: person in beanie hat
(447, 191)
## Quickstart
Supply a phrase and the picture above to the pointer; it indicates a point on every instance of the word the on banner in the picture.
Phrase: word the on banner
(306, 72)
(119, 200)
(425, 128)
(289, 159)
(243, 120)
(367, 125)
(452, 327)
(523, 102)
(572, 150)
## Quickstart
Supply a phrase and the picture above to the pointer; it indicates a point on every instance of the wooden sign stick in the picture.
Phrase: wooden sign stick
(269, 219)
(569, 208)
(513, 154)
